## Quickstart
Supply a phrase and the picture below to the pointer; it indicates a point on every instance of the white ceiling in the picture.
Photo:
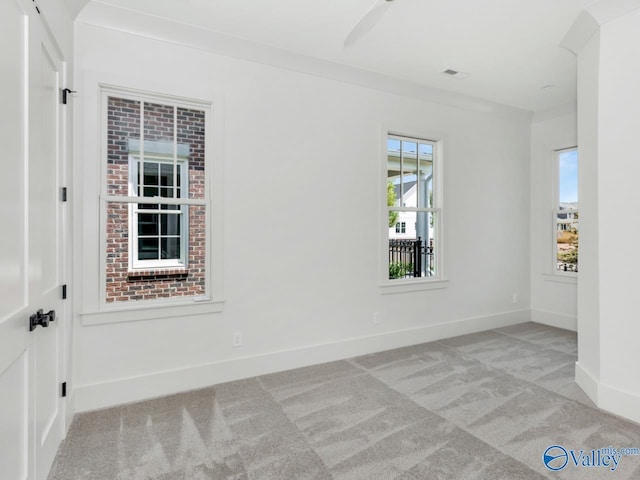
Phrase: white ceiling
(510, 48)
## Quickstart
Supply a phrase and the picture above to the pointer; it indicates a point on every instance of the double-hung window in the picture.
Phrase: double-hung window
(565, 213)
(155, 197)
(413, 207)
(159, 234)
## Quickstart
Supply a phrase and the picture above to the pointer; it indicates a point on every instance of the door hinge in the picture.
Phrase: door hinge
(64, 389)
(63, 194)
(64, 292)
(65, 92)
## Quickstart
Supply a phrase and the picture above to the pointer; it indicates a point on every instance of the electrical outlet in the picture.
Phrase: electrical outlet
(237, 339)
(376, 318)
(515, 298)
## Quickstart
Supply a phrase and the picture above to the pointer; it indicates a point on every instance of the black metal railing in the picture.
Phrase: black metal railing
(567, 267)
(411, 258)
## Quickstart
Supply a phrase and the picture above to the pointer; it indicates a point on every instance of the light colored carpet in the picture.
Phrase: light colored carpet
(481, 406)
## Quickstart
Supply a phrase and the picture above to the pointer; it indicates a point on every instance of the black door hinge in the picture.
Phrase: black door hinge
(64, 292)
(64, 389)
(63, 194)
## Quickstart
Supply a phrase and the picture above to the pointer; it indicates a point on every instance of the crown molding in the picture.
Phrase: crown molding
(133, 22)
(592, 18)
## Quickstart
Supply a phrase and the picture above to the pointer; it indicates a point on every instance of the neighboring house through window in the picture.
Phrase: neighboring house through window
(565, 214)
(159, 234)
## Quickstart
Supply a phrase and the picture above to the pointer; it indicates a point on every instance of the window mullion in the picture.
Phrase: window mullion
(175, 152)
(418, 187)
(141, 160)
(155, 200)
(184, 218)
(434, 175)
(414, 209)
(401, 172)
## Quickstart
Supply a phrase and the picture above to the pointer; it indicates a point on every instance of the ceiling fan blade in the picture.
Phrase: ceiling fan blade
(367, 22)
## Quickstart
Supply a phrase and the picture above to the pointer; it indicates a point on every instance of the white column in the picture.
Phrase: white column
(608, 282)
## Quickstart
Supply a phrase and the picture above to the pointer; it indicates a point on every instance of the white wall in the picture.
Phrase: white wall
(304, 147)
(553, 296)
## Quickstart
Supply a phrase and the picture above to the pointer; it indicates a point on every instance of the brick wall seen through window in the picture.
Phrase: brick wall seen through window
(141, 240)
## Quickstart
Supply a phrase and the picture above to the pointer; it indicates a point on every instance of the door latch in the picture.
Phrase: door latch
(41, 318)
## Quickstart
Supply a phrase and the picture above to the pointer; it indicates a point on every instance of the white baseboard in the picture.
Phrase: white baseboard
(619, 402)
(559, 320)
(70, 409)
(156, 384)
(588, 382)
(606, 397)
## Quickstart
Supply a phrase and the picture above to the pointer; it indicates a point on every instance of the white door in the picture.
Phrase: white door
(31, 240)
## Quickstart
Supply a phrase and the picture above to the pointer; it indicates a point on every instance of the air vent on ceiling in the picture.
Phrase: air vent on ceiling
(455, 73)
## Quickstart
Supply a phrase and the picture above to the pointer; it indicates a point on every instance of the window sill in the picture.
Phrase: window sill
(152, 310)
(568, 278)
(405, 286)
(157, 274)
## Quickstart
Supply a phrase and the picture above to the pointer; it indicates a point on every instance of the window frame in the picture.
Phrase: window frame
(212, 300)
(439, 280)
(182, 262)
(556, 210)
